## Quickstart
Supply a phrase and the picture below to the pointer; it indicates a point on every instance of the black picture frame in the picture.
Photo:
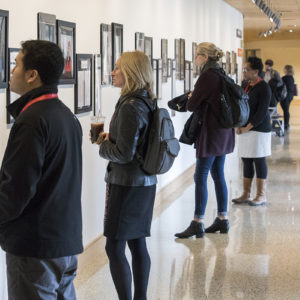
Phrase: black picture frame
(106, 53)
(97, 105)
(117, 42)
(84, 83)
(139, 41)
(4, 18)
(11, 96)
(66, 40)
(149, 47)
(46, 27)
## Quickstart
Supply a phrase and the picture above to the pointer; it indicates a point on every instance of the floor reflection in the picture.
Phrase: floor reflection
(259, 258)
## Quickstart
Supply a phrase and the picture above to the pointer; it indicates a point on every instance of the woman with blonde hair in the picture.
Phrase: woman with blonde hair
(212, 143)
(288, 79)
(130, 191)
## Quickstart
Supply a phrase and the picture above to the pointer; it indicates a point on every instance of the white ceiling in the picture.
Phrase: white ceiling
(255, 21)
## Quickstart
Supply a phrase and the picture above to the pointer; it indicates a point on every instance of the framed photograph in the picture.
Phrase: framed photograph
(66, 40)
(233, 63)
(177, 58)
(173, 85)
(164, 59)
(97, 85)
(117, 42)
(170, 63)
(159, 79)
(154, 68)
(224, 66)
(220, 62)
(149, 47)
(3, 49)
(228, 63)
(188, 77)
(46, 27)
(83, 87)
(140, 41)
(182, 59)
(11, 96)
(106, 53)
(194, 49)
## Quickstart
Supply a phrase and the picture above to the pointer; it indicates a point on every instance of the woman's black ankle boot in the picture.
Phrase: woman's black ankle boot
(195, 228)
(218, 225)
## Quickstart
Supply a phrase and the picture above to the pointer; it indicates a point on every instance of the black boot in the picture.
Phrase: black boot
(195, 228)
(218, 225)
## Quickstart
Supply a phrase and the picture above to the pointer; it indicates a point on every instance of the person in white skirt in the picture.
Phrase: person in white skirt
(254, 140)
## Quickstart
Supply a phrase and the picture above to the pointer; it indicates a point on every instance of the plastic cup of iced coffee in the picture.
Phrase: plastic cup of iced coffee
(97, 126)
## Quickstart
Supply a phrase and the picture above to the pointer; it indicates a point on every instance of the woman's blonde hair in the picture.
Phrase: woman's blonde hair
(289, 70)
(137, 71)
(211, 50)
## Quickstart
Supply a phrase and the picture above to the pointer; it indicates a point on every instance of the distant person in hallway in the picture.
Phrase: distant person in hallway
(130, 191)
(254, 142)
(212, 144)
(288, 79)
(272, 77)
(40, 181)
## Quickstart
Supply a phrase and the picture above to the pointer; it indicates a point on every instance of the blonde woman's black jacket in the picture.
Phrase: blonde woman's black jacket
(129, 127)
(40, 180)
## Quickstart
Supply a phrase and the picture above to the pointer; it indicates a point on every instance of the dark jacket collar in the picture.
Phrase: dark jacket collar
(141, 93)
(211, 64)
(15, 108)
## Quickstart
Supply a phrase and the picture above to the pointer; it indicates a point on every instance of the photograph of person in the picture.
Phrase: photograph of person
(66, 44)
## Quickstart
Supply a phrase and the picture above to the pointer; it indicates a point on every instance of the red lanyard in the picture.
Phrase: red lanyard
(247, 88)
(41, 98)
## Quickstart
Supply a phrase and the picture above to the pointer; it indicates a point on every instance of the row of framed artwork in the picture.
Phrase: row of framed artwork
(78, 69)
(88, 83)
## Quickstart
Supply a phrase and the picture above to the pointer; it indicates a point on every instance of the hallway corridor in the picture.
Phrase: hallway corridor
(259, 258)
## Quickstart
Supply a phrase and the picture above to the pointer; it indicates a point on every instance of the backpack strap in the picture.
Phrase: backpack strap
(138, 155)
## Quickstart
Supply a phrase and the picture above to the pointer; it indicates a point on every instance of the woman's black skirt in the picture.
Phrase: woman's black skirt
(128, 211)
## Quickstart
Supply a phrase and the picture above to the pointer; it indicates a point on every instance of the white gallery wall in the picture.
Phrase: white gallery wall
(192, 20)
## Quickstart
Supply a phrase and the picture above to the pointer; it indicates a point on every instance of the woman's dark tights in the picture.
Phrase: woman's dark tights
(120, 269)
(261, 167)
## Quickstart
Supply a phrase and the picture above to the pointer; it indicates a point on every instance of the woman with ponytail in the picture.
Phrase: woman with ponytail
(212, 144)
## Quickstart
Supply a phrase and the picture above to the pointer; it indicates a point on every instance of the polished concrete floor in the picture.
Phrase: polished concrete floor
(258, 259)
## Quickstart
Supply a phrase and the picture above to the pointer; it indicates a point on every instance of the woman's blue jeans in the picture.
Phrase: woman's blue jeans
(214, 164)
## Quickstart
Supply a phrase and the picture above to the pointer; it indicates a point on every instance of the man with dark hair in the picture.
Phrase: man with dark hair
(40, 181)
(272, 77)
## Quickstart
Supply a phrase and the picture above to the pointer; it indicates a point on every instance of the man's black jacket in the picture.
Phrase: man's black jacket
(40, 180)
